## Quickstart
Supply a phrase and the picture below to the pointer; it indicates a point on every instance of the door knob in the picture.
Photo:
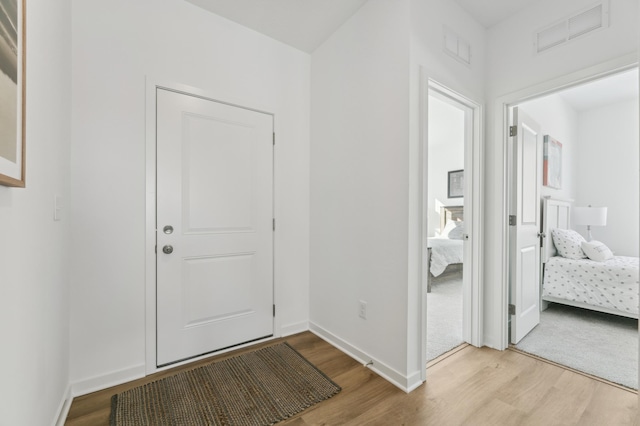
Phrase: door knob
(167, 249)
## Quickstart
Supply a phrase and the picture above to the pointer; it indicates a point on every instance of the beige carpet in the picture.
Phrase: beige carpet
(256, 388)
(596, 343)
(444, 315)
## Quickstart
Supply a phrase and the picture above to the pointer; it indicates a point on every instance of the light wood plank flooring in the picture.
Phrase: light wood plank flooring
(470, 387)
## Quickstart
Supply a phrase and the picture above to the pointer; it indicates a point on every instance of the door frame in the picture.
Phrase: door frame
(151, 85)
(503, 119)
(474, 156)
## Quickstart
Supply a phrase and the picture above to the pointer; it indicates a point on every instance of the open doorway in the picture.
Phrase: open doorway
(586, 139)
(446, 233)
(451, 213)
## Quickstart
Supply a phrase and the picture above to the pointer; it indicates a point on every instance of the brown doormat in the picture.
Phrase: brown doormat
(256, 388)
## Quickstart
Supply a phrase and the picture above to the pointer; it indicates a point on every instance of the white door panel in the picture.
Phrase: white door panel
(525, 240)
(215, 189)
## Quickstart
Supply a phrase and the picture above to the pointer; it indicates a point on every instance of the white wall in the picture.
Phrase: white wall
(512, 67)
(34, 252)
(365, 173)
(559, 120)
(428, 17)
(359, 183)
(446, 153)
(607, 173)
(116, 45)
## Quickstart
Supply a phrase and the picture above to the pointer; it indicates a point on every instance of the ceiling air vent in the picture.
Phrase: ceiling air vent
(586, 21)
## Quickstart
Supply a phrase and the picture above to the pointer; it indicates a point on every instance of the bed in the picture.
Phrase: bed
(609, 286)
(445, 252)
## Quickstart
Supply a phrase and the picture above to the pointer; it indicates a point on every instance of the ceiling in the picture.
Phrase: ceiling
(617, 88)
(306, 24)
(303, 24)
(490, 12)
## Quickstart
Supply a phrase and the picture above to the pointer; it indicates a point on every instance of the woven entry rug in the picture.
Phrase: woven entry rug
(256, 388)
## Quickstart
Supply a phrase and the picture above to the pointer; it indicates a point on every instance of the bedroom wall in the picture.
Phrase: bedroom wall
(116, 45)
(512, 66)
(359, 185)
(34, 253)
(607, 172)
(558, 119)
(446, 153)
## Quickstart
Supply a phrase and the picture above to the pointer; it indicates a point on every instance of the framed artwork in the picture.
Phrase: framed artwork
(455, 185)
(552, 163)
(12, 92)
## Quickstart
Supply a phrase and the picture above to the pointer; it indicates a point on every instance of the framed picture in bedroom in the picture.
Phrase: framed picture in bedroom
(552, 163)
(12, 92)
(455, 184)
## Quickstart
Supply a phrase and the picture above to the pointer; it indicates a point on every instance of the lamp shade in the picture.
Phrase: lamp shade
(590, 216)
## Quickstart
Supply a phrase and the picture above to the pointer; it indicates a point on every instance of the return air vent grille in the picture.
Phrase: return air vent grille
(585, 22)
(591, 19)
(456, 47)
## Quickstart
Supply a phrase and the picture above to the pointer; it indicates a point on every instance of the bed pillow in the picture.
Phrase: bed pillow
(457, 233)
(568, 243)
(450, 226)
(597, 251)
(453, 230)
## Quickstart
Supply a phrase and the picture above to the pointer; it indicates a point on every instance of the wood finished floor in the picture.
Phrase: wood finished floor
(470, 387)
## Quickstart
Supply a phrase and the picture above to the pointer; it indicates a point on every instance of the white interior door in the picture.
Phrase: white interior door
(525, 240)
(214, 226)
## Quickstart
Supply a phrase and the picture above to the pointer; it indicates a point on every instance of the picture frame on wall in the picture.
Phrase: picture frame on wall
(455, 184)
(552, 163)
(12, 93)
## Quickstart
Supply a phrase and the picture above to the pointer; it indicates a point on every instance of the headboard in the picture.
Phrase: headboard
(555, 214)
(448, 213)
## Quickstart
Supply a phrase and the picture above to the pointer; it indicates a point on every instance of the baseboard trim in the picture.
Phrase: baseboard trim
(63, 408)
(295, 328)
(405, 383)
(108, 380)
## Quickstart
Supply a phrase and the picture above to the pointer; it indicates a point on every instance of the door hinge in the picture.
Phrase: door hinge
(512, 309)
(512, 220)
(274, 138)
(274, 223)
(513, 130)
(274, 310)
(156, 249)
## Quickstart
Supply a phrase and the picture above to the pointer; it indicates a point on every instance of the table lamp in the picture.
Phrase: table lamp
(590, 216)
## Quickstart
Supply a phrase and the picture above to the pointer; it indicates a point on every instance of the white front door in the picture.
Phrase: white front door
(525, 240)
(214, 226)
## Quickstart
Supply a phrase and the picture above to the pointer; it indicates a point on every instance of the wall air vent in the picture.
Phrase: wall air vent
(593, 18)
(456, 47)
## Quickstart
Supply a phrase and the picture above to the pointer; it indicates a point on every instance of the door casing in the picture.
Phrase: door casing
(473, 214)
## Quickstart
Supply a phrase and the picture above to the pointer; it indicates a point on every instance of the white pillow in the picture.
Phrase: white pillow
(453, 230)
(568, 243)
(450, 226)
(597, 251)
(458, 232)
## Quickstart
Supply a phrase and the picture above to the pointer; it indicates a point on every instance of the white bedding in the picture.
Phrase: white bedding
(444, 252)
(612, 284)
